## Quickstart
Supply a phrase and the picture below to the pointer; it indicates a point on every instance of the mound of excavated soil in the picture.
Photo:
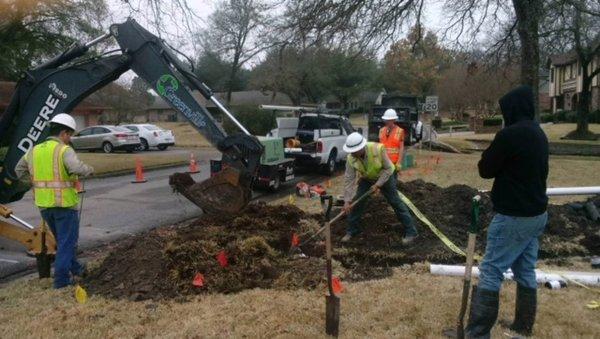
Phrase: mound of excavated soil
(253, 247)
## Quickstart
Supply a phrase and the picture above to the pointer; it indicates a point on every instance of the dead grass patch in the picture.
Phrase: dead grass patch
(185, 134)
(410, 304)
(117, 162)
(554, 132)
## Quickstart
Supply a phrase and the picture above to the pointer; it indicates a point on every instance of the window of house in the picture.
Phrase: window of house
(551, 74)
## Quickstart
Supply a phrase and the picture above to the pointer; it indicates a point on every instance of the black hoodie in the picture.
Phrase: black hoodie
(517, 158)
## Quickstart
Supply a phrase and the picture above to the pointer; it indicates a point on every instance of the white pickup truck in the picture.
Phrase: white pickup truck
(314, 140)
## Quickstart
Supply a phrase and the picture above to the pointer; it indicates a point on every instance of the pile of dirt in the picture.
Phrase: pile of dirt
(252, 249)
(568, 233)
(231, 253)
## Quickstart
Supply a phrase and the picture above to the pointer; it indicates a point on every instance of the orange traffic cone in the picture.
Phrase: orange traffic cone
(78, 187)
(139, 172)
(193, 165)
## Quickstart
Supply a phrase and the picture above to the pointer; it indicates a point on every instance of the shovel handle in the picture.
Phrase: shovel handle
(474, 227)
(362, 197)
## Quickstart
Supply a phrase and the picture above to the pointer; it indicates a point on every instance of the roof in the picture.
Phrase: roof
(241, 98)
(7, 89)
(563, 58)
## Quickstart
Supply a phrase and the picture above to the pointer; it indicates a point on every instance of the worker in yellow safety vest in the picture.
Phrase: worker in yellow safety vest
(369, 162)
(53, 168)
(392, 137)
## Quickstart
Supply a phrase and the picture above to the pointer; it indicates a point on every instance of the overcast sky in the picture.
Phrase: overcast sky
(176, 32)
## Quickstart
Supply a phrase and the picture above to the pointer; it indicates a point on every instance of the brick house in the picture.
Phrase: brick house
(566, 82)
(85, 114)
(162, 111)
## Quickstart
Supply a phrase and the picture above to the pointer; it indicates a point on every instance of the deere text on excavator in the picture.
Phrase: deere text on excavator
(61, 83)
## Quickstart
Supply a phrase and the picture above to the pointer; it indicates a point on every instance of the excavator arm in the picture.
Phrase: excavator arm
(61, 83)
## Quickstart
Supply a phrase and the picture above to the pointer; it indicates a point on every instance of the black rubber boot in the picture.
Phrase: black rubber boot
(525, 309)
(483, 314)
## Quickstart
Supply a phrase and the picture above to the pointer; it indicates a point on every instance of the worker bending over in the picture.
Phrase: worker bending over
(392, 137)
(53, 168)
(517, 159)
(369, 161)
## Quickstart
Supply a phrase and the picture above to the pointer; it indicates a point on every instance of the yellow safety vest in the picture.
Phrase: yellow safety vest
(374, 163)
(52, 185)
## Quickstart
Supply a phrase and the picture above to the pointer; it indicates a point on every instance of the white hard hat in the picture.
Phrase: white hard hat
(354, 143)
(390, 114)
(65, 120)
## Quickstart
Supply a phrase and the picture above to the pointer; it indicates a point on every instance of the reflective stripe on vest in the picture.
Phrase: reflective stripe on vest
(374, 163)
(52, 185)
(393, 143)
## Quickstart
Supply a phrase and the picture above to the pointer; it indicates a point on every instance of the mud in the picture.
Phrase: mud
(256, 243)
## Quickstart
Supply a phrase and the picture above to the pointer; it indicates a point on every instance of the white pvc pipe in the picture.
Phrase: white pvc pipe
(586, 278)
(286, 108)
(573, 190)
(586, 190)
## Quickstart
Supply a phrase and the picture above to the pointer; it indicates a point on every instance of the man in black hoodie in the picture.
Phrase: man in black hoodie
(517, 159)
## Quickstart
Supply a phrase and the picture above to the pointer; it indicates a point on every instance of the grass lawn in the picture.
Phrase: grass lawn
(410, 304)
(185, 134)
(554, 132)
(120, 162)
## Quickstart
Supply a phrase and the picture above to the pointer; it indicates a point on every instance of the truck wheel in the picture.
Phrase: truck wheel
(162, 147)
(330, 165)
(107, 147)
(276, 184)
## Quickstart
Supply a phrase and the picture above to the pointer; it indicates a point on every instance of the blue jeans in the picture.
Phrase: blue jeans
(512, 242)
(390, 192)
(64, 223)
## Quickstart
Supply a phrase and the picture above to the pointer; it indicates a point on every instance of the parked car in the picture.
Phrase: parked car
(317, 139)
(152, 136)
(107, 138)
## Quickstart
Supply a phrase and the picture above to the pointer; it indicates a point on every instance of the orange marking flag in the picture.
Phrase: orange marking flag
(198, 280)
(222, 259)
(337, 285)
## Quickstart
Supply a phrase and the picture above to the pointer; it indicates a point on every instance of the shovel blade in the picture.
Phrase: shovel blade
(332, 315)
(223, 193)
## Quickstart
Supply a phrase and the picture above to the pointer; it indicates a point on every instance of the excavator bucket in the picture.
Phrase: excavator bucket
(225, 192)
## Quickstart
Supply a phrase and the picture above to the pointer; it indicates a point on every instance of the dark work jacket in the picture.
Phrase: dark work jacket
(517, 159)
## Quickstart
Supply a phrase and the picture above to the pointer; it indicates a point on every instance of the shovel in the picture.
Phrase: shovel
(473, 228)
(332, 301)
(327, 210)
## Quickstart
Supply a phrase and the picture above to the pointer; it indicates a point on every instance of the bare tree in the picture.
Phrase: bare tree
(238, 30)
(502, 21)
(575, 25)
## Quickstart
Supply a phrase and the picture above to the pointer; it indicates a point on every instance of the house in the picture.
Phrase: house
(85, 114)
(162, 111)
(566, 82)
(363, 101)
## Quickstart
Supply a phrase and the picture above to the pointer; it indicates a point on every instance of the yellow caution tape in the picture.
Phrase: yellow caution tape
(593, 305)
(456, 249)
(434, 229)
(80, 294)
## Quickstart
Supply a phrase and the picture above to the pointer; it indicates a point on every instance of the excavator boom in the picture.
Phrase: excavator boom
(61, 83)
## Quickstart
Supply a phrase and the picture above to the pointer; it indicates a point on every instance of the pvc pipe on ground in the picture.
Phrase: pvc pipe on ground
(573, 190)
(586, 278)
(586, 190)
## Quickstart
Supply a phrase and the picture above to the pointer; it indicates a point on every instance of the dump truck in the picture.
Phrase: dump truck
(407, 107)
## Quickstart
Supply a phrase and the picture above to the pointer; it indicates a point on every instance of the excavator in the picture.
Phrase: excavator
(59, 84)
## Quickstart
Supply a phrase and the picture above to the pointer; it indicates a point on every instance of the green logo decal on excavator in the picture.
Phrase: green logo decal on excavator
(166, 81)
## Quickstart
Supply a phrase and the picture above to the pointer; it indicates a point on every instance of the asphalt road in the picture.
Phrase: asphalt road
(113, 208)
